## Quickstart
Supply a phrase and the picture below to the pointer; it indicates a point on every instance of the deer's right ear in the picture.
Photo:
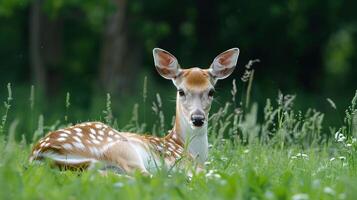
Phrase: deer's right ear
(166, 64)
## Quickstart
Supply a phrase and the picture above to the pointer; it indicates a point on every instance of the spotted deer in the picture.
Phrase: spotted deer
(87, 143)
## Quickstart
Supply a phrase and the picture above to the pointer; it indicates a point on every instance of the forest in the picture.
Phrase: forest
(282, 126)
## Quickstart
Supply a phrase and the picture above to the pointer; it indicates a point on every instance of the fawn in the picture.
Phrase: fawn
(82, 145)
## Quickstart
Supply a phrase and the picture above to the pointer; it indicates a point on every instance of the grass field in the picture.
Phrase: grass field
(278, 154)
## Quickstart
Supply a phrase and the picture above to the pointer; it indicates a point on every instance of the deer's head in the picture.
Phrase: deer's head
(195, 86)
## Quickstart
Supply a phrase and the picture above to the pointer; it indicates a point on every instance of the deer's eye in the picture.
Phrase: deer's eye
(211, 93)
(181, 92)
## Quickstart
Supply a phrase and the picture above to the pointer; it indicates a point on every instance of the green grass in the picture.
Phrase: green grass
(281, 154)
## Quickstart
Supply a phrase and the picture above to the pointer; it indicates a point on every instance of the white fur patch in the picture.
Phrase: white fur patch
(79, 134)
(68, 159)
(78, 129)
(78, 145)
(64, 135)
(61, 139)
(77, 138)
(95, 141)
(67, 146)
(98, 126)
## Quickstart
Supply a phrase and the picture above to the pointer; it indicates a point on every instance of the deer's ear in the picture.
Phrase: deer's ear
(224, 64)
(166, 64)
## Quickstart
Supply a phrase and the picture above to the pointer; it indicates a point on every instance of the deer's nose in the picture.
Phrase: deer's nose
(198, 119)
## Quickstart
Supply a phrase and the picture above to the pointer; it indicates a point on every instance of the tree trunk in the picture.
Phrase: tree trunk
(119, 57)
(36, 62)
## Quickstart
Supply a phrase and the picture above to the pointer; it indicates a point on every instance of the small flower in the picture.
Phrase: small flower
(118, 184)
(337, 135)
(246, 151)
(207, 163)
(348, 145)
(341, 138)
(329, 190)
(212, 174)
(332, 159)
(301, 196)
(302, 155)
(342, 158)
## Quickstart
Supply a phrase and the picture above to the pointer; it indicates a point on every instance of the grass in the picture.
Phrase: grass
(283, 154)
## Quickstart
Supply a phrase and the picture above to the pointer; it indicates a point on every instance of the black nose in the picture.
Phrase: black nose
(198, 120)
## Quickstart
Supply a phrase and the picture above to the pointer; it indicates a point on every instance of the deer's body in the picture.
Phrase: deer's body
(87, 143)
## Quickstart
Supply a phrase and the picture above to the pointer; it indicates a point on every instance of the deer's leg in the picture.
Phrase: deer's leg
(125, 157)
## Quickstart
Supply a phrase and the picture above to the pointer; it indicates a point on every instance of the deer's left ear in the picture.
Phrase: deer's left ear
(223, 65)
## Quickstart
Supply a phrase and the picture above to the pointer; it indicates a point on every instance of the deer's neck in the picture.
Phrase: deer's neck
(194, 139)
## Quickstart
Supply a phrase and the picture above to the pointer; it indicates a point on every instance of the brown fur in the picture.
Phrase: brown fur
(196, 78)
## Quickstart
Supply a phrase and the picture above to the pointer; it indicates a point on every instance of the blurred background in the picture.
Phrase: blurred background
(89, 48)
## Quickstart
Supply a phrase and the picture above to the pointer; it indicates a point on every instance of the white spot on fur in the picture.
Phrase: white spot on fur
(63, 135)
(100, 138)
(98, 126)
(101, 132)
(79, 134)
(77, 138)
(61, 139)
(94, 151)
(47, 139)
(111, 132)
(67, 146)
(92, 136)
(92, 131)
(47, 144)
(67, 131)
(109, 139)
(95, 141)
(79, 145)
(78, 129)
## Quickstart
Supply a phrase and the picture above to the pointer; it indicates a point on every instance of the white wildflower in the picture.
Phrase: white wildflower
(316, 183)
(329, 190)
(301, 196)
(348, 145)
(246, 151)
(332, 159)
(212, 174)
(118, 184)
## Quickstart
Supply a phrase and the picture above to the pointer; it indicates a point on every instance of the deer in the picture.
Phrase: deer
(85, 144)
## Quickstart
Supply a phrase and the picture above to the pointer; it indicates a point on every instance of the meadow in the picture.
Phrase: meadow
(270, 151)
